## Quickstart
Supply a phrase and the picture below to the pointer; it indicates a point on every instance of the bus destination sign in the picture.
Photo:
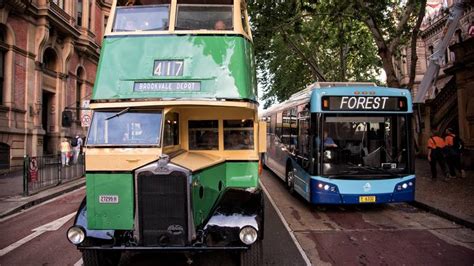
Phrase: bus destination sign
(364, 103)
(160, 86)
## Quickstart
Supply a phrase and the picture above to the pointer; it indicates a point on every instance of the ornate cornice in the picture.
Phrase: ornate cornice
(19, 5)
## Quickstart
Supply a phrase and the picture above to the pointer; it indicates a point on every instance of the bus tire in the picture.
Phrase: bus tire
(92, 257)
(253, 256)
(290, 178)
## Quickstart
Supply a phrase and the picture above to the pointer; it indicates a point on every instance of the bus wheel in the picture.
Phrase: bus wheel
(253, 256)
(91, 257)
(290, 179)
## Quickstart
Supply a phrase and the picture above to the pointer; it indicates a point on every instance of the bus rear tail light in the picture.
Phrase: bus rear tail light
(260, 168)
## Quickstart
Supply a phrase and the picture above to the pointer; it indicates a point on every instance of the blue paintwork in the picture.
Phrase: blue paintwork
(317, 93)
(348, 191)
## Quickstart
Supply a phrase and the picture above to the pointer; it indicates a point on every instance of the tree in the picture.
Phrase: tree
(392, 25)
(301, 41)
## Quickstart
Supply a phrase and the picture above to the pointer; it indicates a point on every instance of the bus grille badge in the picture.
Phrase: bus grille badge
(367, 187)
(175, 229)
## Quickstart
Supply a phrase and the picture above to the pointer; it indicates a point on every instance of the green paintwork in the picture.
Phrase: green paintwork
(110, 216)
(223, 64)
(231, 174)
(120, 216)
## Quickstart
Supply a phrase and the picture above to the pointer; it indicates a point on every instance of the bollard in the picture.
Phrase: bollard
(26, 163)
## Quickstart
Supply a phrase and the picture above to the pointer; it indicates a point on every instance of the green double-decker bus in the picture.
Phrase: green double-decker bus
(172, 152)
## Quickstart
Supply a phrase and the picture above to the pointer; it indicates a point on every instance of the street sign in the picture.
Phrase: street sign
(86, 114)
(33, 169)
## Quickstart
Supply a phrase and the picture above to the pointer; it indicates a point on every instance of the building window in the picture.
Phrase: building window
(79, 12)
(89, 24)
(79, 85)
(4, 156)
(50, 60)
(458, 36)
(59, 3)
(106, 18)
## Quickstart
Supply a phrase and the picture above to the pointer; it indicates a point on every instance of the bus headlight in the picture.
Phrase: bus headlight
(248, 235)
(76, 235)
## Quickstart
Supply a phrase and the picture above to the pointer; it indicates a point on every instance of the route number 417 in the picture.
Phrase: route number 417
(168, 68)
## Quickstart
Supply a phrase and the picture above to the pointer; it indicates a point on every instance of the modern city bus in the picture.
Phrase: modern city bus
(343, 143)
(172, 152)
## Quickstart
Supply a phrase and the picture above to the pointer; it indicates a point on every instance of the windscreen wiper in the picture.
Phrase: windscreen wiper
(119, 113)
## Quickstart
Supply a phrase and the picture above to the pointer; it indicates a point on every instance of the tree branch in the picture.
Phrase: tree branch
(414, 38)
(403, 21)
(309, 60)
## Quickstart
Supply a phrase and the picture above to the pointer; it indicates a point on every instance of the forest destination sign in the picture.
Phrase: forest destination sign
(364, 103)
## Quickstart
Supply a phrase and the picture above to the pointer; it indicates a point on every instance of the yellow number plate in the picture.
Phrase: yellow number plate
(366, 199)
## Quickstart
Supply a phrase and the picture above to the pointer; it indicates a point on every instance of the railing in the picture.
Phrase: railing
(40, 173)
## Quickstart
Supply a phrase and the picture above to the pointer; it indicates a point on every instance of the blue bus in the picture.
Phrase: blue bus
(343, 143)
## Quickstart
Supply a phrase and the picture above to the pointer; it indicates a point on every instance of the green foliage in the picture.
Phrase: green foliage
(296, 38)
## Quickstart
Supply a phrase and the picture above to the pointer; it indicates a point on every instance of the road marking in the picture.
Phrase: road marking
(79, 263)
(52, 226)
(283, 220)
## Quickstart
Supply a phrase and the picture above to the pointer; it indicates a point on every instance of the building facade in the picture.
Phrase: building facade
(445, 102)
(49, 51)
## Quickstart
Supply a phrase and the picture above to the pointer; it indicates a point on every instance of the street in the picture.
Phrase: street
(333, 235)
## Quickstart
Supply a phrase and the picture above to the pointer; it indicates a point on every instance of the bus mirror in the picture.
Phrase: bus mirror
(66, 120)
(262, 136)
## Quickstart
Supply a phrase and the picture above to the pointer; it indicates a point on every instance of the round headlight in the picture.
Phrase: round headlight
(404, 185)
(76, 235)
(326, 187)
(248, 235)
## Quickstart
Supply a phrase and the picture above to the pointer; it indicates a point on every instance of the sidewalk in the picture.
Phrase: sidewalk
(454, 199)
(12, 201)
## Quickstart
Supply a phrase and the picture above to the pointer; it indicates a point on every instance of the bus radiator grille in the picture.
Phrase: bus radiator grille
(162, 209)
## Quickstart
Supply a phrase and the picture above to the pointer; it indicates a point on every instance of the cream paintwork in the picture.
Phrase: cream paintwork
(127, 159)
(119, 159)
(195, 161)
(238, 28)
(246, 105)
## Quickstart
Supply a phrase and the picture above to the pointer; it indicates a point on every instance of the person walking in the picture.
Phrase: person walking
(454, 146)
(76, 144)
(65, 148)
(436, 148)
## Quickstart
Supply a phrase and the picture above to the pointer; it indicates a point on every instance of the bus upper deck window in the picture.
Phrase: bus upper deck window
(204, 17)
(141, 16)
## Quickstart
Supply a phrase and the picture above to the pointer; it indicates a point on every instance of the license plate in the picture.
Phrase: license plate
(365, 199)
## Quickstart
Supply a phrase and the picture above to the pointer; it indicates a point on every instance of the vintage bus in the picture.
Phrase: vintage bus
(343, 143)
(172, 153)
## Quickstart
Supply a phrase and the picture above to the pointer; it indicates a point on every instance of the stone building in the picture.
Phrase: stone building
(49, 51)
(445, 103)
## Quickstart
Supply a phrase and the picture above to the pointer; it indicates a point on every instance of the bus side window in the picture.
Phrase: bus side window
(171, 130)
(278, 131)
(303, 139)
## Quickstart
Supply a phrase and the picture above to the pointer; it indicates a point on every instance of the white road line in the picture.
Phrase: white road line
(52, 226)
(39, 205)
(79, 263)
(283, 220)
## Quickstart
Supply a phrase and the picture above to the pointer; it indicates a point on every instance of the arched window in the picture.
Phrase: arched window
(2, 64)
(50, 60)
(4, 156)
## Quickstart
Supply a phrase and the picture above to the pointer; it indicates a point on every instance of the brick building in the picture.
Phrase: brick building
(445, 103)
(49, 51)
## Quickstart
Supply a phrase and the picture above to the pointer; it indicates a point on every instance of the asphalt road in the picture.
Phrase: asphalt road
(26, 241)
(396, 234)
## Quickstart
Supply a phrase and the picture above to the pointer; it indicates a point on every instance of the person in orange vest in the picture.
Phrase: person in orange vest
(436, 146)
(454, 152)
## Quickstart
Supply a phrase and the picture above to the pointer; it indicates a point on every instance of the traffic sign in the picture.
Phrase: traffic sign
(33, 169)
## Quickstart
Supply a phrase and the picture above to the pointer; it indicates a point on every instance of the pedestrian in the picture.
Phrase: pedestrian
(65, 151)
(436, 150)
(76, 144)
(454, 146)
